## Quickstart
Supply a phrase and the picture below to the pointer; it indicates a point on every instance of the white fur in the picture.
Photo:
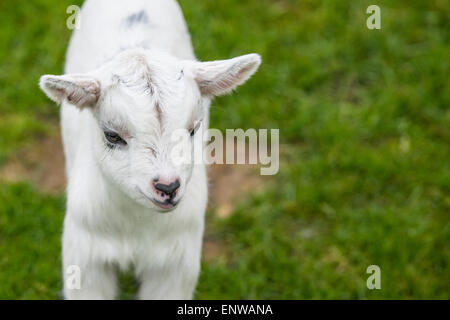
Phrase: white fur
(128, 77)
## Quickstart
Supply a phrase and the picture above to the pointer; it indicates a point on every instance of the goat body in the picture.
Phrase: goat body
(131, 80)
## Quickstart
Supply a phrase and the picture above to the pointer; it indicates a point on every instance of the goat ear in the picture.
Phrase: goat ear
(219, 77)
(80, 90)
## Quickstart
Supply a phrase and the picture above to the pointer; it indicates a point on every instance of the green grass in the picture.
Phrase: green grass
(365, 179)
(30, 226)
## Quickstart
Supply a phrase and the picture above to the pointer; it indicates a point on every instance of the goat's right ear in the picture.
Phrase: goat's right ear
(80, 90)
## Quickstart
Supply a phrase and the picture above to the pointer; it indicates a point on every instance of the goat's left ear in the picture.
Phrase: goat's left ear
(219, 77)
(80, 90)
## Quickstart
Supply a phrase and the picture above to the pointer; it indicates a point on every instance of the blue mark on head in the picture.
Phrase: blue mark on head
(139, 17)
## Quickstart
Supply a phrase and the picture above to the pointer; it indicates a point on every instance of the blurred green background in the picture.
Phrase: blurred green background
(364, 123)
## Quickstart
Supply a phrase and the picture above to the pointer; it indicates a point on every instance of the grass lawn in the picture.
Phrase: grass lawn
(364, 123)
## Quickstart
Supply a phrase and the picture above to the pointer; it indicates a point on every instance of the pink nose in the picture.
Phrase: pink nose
(166, 189)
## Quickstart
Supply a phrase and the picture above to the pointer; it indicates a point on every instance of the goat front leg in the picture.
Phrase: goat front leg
(86, 277)
(168, 283)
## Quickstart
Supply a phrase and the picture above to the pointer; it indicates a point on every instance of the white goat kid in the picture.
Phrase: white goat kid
(132, 80)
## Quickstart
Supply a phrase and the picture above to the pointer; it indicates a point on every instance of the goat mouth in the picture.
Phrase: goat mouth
(166, 205)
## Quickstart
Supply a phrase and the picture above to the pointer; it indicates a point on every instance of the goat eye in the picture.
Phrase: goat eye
(194, 130)
(113, 138)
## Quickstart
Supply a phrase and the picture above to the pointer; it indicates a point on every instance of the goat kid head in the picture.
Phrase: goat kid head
(138, 100)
